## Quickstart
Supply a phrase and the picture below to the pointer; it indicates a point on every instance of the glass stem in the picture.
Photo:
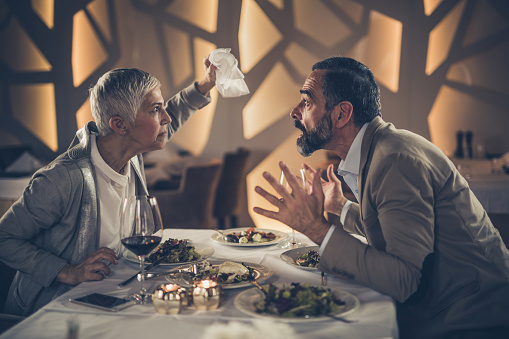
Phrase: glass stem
(293, 237)
(143, 291)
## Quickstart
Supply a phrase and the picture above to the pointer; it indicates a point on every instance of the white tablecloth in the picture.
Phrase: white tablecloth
(375, 318)
(492, 191)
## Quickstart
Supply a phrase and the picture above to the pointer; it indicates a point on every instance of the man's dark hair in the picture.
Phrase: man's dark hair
(349, 80)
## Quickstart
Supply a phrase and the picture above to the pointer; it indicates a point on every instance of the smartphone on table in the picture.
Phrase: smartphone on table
(103, 302)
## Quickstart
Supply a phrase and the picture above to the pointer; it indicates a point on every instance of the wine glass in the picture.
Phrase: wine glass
(139, 221)
(292, 243)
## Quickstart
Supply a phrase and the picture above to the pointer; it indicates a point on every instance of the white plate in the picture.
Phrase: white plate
(280, 236)
(262, 273)
(205, 252)
(290, 257)
(245, 301)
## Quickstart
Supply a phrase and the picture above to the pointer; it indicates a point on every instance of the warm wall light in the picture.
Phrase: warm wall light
(45, 9)
(194, 135)
(84, 114)
(99, 11)
(257, 35)
(441, 38)
(431, 5)
(22, 55)
(380, 49)
(273, 100)
(87, 51)
(280, 4)
(287, 152)
(34, 108)
(198, 12)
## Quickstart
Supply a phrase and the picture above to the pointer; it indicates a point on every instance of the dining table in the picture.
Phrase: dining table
(373, 317)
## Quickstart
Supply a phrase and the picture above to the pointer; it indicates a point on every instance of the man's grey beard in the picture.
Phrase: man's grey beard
(315, 139)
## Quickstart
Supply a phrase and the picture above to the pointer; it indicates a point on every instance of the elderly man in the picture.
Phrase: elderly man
(430, 244)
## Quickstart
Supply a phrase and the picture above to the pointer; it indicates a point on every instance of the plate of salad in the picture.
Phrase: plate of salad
(296, 302)
(306, 258)
(249, 237)
(230, 274)
(176, 252)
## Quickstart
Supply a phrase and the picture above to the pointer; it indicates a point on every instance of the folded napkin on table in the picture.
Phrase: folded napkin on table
(229, 79)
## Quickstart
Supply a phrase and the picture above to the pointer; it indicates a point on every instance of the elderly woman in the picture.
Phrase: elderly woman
(64, 229)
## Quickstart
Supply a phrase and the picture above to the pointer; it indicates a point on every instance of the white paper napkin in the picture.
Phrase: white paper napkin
(229, 79)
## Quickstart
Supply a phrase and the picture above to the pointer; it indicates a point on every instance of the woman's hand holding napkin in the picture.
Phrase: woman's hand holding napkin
(229, 79)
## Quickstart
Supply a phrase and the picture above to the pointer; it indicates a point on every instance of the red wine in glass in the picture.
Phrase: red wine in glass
(141, 245)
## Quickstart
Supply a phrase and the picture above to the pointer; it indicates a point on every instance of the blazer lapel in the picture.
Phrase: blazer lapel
(366, 148)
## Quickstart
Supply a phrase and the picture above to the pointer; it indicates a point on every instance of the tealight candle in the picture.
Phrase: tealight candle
(207, 295)
(169, 298)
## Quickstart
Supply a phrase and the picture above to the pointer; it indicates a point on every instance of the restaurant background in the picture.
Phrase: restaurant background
(441, 66)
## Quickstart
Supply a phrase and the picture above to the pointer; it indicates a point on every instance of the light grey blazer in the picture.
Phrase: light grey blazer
(55, 222)
(431, 245)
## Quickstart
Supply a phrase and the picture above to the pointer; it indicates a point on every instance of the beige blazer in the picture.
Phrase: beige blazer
(431, 245)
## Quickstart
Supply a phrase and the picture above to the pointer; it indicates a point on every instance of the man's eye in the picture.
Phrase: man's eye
(156, 109)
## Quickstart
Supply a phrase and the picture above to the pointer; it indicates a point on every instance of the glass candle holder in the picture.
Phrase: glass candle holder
(169, 298)
(207, 295)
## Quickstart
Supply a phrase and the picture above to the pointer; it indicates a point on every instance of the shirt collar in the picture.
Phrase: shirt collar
(352, 162)
(100, 164)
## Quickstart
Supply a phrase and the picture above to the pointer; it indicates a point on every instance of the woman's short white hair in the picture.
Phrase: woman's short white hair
(119, 92)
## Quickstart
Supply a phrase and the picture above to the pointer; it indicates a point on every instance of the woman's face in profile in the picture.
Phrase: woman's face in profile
(149, 131)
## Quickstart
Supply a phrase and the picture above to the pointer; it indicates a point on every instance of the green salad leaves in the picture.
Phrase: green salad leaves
(299, 300)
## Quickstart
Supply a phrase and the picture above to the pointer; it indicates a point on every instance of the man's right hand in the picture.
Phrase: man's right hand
(88, 269)
(334, 197)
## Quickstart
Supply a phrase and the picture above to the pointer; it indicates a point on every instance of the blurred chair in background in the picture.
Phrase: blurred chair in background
(227, 203)
(191, 205)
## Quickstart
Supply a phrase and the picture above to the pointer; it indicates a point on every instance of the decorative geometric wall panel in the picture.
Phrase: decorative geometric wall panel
(194, 135)
(180, 55)
(45, 10)
(200, 13)
(22, 55)
(35, 109)
(36, 61)
(380, 48)
(280, 4)
(257, 35)
(313, 18)
(486, 70)
(441, 38)
(87, 51)
(279, 89)
(485, 23)
(431, 5)
(300, 58)
(99, 11)
(353, 9)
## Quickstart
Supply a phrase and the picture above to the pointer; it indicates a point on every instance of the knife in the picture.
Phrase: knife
(152, 265)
